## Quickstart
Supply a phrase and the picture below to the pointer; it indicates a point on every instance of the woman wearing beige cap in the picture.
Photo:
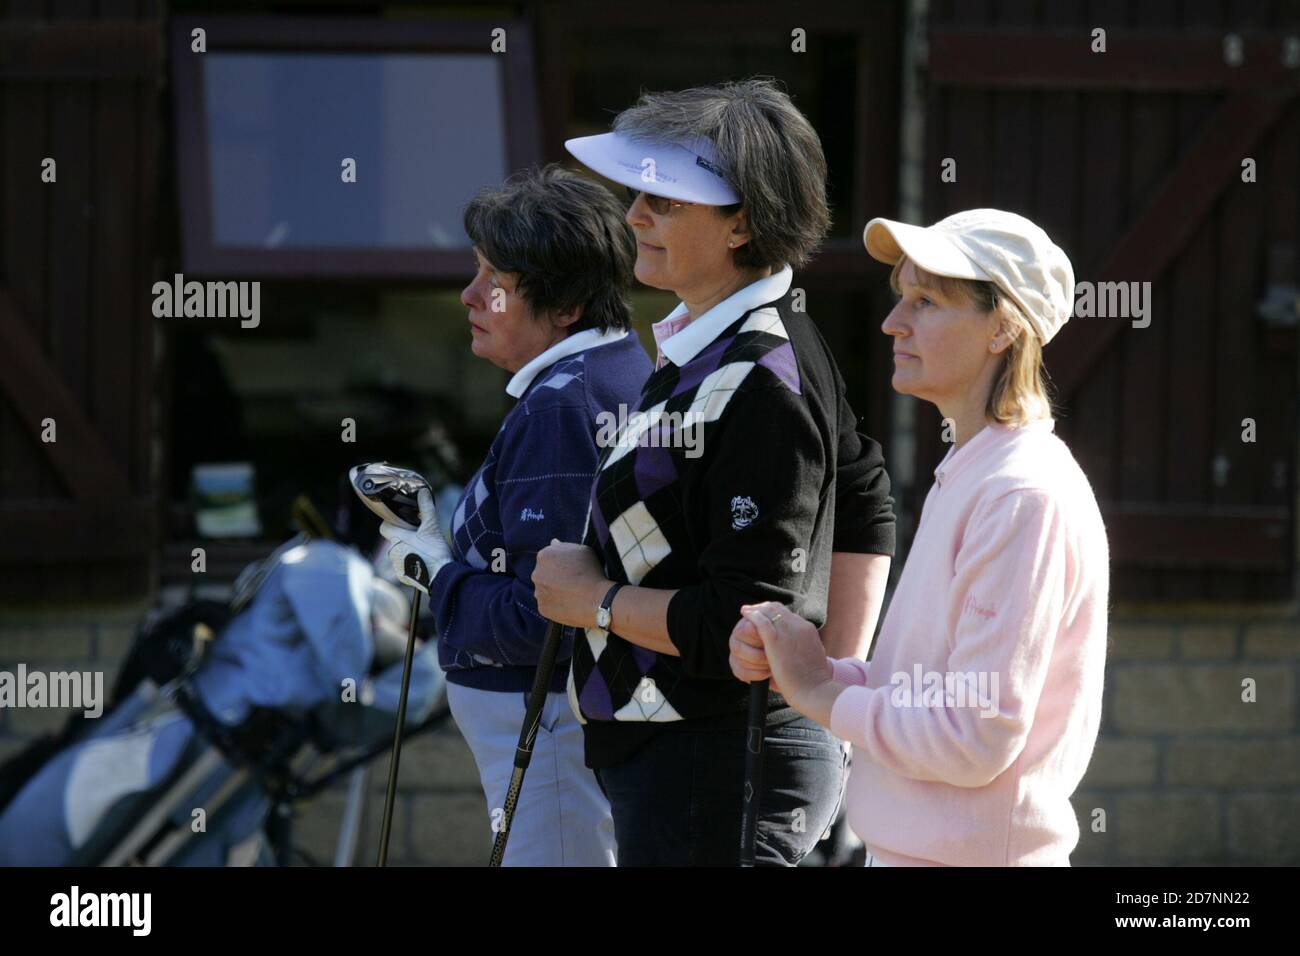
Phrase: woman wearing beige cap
(976, 716)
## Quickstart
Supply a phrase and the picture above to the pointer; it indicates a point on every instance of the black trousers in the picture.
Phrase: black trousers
(677, 802)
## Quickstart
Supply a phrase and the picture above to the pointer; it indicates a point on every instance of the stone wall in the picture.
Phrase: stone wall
(1185, 771)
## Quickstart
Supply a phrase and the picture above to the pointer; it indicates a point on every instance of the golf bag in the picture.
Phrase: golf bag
(198, 758)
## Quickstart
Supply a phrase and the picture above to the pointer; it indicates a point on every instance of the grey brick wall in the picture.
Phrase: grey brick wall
(91, 638)
(1184, 772)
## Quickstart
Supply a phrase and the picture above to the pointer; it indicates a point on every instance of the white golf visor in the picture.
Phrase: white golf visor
(686, 173)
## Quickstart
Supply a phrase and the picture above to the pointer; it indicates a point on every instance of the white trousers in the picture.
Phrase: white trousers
(562, 818)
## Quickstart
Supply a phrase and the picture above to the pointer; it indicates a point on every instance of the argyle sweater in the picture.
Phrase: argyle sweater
(730, 497)
(532, 486)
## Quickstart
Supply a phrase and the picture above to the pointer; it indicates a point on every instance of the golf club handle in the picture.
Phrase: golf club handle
(386, 829)
(507, 816)
(527, 737)
(537, 697)
(754, 728)
(415, 569)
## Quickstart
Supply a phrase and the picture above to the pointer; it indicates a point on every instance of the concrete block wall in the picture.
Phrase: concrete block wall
(1185, 771)
(90, 638)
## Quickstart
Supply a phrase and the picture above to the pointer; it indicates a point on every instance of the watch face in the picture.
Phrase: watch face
(602, 617)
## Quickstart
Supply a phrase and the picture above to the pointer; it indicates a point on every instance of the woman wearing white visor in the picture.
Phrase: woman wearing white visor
(976, 716)
(754, 476)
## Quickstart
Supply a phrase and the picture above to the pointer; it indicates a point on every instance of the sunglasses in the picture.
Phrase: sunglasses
(659, 205)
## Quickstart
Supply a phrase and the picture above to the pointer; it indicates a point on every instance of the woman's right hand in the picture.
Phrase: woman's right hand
(748, 659)
(426, 543)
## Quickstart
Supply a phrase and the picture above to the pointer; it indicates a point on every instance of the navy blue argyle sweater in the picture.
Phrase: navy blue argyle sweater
(767, 477)
(533, 486)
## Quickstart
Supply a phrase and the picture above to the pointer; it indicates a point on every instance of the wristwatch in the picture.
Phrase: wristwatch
(603, 613)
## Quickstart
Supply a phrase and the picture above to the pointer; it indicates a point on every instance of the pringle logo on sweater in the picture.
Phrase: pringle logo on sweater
(743, 512)
(972, 606)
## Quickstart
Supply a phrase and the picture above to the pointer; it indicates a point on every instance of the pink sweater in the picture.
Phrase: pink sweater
(976, 717)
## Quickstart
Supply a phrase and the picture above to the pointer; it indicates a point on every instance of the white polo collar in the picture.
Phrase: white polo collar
(570, 345)
(690, 341)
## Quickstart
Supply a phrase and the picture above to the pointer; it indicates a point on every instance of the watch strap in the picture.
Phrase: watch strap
(607, 604)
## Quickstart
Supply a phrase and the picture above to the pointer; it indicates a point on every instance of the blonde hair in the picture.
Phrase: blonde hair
(1020, 387)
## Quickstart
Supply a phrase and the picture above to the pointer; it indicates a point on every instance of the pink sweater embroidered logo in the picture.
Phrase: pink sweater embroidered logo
(973, 606)
(1010, 514)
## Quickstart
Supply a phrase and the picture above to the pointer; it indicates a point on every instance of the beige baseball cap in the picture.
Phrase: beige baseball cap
(991, 245)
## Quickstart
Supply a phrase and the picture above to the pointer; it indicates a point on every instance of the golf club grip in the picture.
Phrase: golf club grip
(527, 737)
(753, 770)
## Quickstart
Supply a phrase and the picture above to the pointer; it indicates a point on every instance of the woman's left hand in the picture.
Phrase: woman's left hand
(794, 649)
(569, 583)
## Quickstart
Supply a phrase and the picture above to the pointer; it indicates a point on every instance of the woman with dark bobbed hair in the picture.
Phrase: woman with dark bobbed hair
(548, 304)
(744, 473)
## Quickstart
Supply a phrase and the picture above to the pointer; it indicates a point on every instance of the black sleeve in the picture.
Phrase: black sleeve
(864, 509)
(761, 489)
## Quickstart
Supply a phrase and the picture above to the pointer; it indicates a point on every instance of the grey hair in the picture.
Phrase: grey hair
(767, 150)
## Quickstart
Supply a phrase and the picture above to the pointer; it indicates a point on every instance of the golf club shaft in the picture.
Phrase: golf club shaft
(397, 735)
(527, 736)
(753, 770)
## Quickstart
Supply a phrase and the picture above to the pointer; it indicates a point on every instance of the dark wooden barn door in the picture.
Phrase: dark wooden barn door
(1132, 160)
(79, 84)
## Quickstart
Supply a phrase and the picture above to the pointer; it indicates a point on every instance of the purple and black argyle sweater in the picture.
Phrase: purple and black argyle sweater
(533, 486)
(743, 476)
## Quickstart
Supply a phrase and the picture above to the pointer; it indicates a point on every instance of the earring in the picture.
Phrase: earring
(731, 245)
